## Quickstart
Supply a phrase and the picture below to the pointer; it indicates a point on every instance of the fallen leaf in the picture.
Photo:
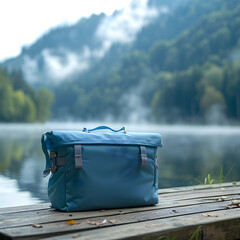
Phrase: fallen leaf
(223, 198)
(76, 235)
(209, 215)
(234, 204)
(97, 223)
(37, 226)
(153, 225)
(92, 222)
(113, 221)
(175, 211)
(71, 222)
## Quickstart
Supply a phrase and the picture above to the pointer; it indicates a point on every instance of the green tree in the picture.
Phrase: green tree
(211, 98)
(44, 99)
(158, 55)
(213, 76)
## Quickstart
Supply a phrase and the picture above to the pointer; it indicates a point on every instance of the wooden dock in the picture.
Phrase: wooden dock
(197, 212)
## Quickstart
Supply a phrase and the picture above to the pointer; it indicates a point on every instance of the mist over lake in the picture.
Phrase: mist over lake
(188, 155)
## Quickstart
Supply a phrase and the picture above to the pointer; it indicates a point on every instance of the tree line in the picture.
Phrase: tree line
(19, 102)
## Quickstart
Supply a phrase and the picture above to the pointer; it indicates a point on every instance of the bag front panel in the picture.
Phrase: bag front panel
(111, 176)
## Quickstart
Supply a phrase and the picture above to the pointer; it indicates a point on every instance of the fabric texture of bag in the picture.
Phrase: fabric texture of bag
(101, 170)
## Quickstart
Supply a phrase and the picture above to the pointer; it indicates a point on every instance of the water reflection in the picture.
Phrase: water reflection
(188, 159)
(189, 154)
(21, 164)
(11, 194)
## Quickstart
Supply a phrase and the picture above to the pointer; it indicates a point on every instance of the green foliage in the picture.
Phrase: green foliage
(44, 99)
(208, 180)
(210, 98)
(195, 235)
(19, 102)
(178, 66)
(183, 66)
(218, 178)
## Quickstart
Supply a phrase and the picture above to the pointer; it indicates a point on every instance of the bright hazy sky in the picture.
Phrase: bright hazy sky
(23, 21)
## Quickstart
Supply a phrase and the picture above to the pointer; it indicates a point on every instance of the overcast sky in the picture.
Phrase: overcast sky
(23, 21)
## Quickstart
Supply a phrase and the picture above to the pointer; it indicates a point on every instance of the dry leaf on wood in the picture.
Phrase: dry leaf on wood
(97, 223)
(209, 215)
(234, 204)
(175, 211)
(113, 221)
(223, 198)
(71, 222)
(76, 235)
(37, 226)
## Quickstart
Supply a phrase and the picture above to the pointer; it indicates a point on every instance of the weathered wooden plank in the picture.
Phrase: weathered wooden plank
(225, 226)
(201, 193)
(24, 208)
(62, 227)
(199, 187)
(18, 221)
(49, 215)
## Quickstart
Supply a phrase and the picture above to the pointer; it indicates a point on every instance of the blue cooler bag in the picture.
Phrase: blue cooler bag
(99, 170)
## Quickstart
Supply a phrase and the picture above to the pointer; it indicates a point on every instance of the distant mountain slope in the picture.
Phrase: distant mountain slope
(67, 51)
(145, 86)
(165, 60)
(59, 53)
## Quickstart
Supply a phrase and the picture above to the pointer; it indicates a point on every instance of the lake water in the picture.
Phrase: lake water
(188, 155)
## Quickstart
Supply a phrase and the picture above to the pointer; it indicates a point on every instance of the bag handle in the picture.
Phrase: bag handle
(104, 128)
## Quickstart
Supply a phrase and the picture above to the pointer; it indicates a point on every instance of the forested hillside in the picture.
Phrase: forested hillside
(182, 64)
(19, 102)
(191, 74)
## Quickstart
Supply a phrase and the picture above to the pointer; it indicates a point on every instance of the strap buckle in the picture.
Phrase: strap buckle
(53, 169)
(53, 157)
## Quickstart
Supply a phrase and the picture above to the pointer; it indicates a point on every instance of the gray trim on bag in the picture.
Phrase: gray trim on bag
(78, 156)
(143, 154)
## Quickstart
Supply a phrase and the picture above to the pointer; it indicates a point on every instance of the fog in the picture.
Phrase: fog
(61, 64)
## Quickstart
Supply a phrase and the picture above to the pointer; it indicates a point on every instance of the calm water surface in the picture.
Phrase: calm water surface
(188, 155)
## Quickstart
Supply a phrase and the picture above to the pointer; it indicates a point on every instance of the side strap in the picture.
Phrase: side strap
(78, 156)
(56, 161)
(48, 163)
(143, 155)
